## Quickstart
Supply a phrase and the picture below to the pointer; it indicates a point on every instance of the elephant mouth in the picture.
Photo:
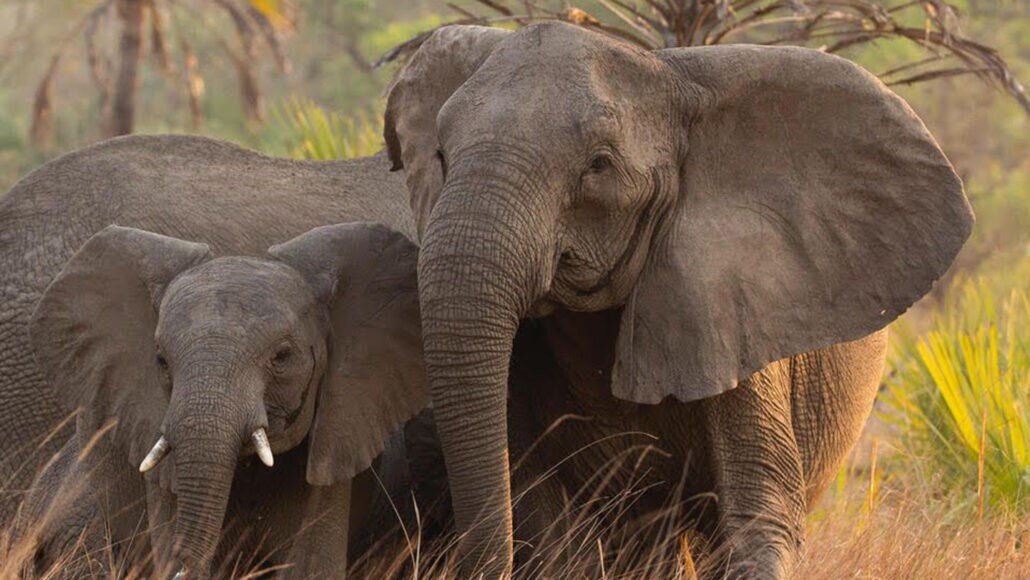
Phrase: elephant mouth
(290, 419)
(605, 280)
(285, 424)
(577, 294)
(567, 293)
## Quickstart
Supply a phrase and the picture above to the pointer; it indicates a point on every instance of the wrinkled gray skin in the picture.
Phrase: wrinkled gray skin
(235, 202)
(711, 240)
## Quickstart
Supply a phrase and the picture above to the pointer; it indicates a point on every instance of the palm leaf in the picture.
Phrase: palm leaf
(305, 130)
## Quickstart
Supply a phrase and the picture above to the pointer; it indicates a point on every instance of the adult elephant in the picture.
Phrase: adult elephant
(713, 238)
(239, 202)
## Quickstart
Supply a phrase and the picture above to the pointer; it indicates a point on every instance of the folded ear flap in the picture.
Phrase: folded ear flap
(375, 380)
(93, 332)
(442, 64)
(814, 208)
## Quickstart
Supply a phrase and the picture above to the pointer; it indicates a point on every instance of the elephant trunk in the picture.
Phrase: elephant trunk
(204, 467)
(207, 430)
(476, 280)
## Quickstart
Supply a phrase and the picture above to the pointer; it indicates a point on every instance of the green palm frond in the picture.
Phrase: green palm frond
(307, 131)
(960, 396)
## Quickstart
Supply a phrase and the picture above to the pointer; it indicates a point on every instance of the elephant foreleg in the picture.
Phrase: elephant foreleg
(758, 476)
(320, 547)
(541, 521)
(161, 519)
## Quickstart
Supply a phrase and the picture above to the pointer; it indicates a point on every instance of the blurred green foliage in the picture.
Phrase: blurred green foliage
(330, 57)
(303, 130)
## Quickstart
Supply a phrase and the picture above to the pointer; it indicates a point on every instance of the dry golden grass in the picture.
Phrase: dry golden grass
(905, 534)
(914, 536)
(884, 519)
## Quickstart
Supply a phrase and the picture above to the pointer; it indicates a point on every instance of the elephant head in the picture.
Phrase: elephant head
(197, 360)
(739, 204)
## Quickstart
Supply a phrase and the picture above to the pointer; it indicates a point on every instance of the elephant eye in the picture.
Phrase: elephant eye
(282, 355)
(162, 362)
(600, 163)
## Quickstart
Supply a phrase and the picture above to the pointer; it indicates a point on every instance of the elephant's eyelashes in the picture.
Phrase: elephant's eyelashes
(443, 162)
(166, 373)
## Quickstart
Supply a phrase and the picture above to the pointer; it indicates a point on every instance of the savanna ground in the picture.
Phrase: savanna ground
(939, 485)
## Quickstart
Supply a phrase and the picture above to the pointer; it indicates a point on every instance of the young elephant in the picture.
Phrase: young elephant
(238, 201)
(184, 366)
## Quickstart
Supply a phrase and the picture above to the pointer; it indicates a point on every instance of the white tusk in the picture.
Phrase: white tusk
(180, 575)
(264, 450)
(155, 456)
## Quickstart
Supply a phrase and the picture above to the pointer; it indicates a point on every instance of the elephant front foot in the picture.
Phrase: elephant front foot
(758, 477)
(751, 554)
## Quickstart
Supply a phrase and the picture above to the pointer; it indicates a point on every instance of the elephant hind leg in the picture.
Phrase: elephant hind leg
(59, 530)
(758, 475)
(833, 392)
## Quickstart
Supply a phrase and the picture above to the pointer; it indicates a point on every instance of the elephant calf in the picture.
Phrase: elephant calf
(196, 370)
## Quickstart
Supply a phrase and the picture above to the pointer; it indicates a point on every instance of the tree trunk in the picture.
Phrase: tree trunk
(246, 64)
(130, 49)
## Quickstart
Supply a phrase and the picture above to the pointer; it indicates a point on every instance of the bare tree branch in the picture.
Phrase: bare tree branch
(41, 131)
(272, 38)
(99, 65)
(244, 61)
(194, 85)
(158, 44)
(117, 85)
(842, 23)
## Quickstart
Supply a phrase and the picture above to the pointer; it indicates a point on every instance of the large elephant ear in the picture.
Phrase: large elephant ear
(93, 332)
(442, 64)
(814, 208)
(375, 379)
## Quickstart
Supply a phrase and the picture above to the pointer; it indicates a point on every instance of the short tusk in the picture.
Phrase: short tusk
(180, 575)
(155, 456)
(264, 450)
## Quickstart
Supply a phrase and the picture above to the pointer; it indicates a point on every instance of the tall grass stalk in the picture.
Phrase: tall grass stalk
(960, 395)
